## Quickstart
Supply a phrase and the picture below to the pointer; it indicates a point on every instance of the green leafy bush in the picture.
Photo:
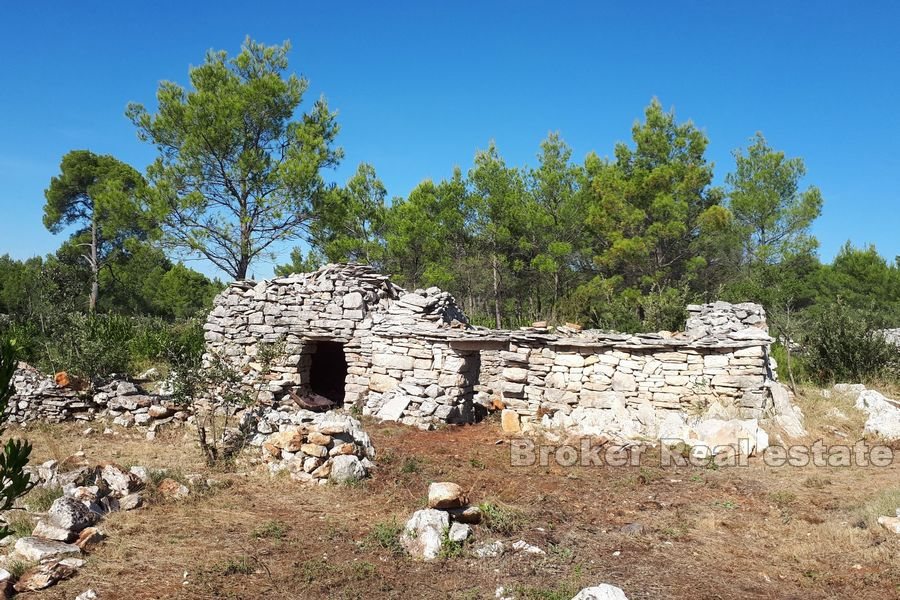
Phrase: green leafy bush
(843, 345)
(15, 482)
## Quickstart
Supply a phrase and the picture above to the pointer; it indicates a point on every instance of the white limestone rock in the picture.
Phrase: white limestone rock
(884, 414)
(604, 591)
(422, 536)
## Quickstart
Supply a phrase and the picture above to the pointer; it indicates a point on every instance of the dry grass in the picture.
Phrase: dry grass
(826, 412)
(753, 532)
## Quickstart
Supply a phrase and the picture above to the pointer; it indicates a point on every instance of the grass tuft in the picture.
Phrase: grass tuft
(386, 535)
(502, 519)
(40, 499)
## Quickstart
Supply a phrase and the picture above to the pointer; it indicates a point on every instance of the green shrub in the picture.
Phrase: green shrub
(843, 345)
(502, 519)
(41, 498)
(386, 535)
(91, 346)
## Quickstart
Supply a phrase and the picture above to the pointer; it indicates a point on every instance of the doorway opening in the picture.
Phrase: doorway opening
(328, 371)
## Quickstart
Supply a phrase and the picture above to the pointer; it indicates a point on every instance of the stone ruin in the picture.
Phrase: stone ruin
(350, 335)
(346, 337)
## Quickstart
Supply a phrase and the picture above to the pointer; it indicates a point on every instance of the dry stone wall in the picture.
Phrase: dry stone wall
(39, 398)
(642, 385)
(412, 357)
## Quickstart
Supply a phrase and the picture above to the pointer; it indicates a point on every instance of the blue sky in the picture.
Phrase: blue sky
(420, 86)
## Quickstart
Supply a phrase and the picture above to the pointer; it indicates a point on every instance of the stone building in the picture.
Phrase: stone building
(348, 334)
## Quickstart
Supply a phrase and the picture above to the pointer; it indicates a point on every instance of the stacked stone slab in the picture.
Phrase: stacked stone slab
(391, 372)
(413, 358)
(312, 447)
(39, 398)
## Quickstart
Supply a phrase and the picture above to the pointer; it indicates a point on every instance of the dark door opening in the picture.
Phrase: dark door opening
(328, 371)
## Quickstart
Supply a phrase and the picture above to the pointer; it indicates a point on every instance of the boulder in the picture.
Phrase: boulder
(393, 409)
(170, 489)
(70, 514)
(314, 450)
(158, 411)
(38, 549)
(290, 440)
(44, 529)
(459, 532)
(320, 439)
(120, 481)
(470, 515)
(89, 538)
(346, 468)
(884, 414)
(423, 534)
(131, 501)
(43, 576)
(488, 549)
(604, 591)
(523, 546)
(445, 494)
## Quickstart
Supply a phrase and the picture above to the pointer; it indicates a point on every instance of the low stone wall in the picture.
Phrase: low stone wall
(598, 381)
(412, 357)
(419, 382)
(39, 398)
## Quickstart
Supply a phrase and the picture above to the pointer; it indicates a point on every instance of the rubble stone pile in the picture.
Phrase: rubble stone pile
(40, 398)
(314, 448)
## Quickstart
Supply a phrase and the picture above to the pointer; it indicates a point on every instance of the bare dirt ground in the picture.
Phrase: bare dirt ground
(737, 532)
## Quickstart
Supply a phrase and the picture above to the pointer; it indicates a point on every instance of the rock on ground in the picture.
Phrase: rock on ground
(423, 533)
(488, 549)
(445, 494)
(890, 523)
(172, 490)
(38, 549)
(68, 513)
(43, 576)
(346, 468)
(604, 591)
(884, 414)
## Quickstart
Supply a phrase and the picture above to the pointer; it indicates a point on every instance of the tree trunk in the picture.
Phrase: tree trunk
(496, 271)
(95, 270)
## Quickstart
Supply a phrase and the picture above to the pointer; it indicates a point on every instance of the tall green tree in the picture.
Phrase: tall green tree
(557, 226)
(649, 212)
(237, 172)
(771, 211)
(426, 234)
(498, 192)
(300, 263)
(349, 224)
(97, 194)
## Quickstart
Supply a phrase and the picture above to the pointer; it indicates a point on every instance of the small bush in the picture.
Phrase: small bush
(41, 498)
(411, 464)
(450, 548)
(386, 535)
(17, 568)
(843, 346)
(782, 498)
(243, 565)
(501, 519)
(270, 529)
